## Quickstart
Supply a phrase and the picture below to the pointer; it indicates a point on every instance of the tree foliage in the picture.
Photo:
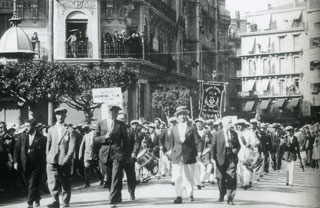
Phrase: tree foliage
(36, 82)
(168, 100)
(86, 78)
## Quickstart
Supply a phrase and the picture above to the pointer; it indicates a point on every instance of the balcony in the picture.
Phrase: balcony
(267, 75)
(118, 50)
(269, 94)
(269, 53)
(78, 49)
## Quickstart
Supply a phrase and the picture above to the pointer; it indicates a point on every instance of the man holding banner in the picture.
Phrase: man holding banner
(112, 134)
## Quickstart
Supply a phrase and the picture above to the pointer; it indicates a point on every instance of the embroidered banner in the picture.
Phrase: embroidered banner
(212, 100)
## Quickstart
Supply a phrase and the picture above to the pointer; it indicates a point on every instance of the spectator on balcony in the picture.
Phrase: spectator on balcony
(73, 42)
(107, 44)
(35, 41)
(116, 41)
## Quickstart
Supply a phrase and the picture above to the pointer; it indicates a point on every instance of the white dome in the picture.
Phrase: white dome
(15, 40)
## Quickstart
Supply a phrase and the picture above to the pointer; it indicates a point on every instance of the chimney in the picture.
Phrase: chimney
(237, 15)
(269, 6)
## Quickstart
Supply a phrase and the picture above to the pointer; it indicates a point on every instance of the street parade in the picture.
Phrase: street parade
(159, 103)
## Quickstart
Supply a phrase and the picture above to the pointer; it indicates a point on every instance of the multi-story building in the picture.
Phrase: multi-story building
(280, 62)
(164, 53)
(237, 26)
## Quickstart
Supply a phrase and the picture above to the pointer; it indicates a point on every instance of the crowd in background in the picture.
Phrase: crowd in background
(263, 143)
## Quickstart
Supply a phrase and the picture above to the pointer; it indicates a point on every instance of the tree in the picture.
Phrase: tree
(86, 78)
(35, 82)
(168, 100)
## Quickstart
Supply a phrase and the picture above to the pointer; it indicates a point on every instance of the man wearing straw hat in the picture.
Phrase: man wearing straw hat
(185, 148)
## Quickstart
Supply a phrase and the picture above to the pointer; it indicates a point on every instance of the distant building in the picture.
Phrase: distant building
(280, 62)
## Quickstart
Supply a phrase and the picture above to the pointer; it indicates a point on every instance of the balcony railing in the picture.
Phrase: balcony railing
(77, 49)
(285, 93)
(121, 50)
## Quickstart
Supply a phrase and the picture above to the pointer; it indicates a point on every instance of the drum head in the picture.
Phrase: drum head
(141, 153)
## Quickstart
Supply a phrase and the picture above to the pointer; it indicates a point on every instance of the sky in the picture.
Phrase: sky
(251, 5)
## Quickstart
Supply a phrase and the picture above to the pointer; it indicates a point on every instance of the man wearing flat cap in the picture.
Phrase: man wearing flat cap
(185, 147)
(60, 149)
(276, 136)
(112, 135)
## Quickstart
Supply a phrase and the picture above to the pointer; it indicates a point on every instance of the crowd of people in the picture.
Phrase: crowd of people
(193, 153)
(121, 44)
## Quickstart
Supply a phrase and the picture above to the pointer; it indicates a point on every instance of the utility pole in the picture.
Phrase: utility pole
(50, 53)
(216, 36)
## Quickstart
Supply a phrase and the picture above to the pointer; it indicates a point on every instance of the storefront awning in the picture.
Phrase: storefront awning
(248, 85)
(265, 84)
(280, 103)
(294, 102)
(249, 106)
(264, 104)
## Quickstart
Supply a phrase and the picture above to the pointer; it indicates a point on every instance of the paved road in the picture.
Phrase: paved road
(269, 192)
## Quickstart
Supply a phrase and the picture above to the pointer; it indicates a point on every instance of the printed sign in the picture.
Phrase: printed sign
(111, 96)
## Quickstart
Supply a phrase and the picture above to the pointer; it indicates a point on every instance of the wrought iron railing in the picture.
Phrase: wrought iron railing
(77, 49)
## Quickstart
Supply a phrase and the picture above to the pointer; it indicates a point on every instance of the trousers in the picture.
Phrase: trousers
(183, 177)
(59, 177)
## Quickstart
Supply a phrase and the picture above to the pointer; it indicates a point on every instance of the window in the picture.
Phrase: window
(281, 43)
(281, 87)
(317, 25)
(252, 67)
(20, 10)
(297, 83)
(295, 64)
(296, 44)
(34, 10)
(315, 87)
(315, 65)
(266, 66)
(282, 66)
(109, 10)
(315, 42)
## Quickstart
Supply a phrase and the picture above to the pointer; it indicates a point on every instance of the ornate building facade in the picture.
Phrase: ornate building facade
(173, 42)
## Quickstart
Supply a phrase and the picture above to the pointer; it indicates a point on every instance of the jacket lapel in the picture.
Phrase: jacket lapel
(63, 132)
(175, 132)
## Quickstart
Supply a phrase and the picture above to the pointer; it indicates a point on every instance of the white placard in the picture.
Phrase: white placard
(111, 96)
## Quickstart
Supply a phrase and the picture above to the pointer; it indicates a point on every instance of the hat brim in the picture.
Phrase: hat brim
(115, 108)
(60, 111)
(180, 112)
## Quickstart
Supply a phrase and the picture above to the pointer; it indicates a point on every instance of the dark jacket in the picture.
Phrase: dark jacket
(134, 142)
(116, 146)
(154, 145)
(218, 147)
(188, 150)
(35, 154)
(292, 148)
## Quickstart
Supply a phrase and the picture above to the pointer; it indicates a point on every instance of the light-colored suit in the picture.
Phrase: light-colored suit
(60, 150)
(87, 151)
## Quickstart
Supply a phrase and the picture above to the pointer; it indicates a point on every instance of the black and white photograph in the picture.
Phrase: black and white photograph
(159, 103)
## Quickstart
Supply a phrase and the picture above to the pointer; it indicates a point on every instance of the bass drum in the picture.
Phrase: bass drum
(205, 156)
(148, 160)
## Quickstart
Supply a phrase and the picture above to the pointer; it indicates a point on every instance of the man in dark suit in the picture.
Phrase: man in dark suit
(60, 149)
(29, 155)
(113, 135)
(224, 149)
(185, 148)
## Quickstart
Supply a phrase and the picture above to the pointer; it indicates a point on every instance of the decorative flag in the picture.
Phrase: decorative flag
(212, 100)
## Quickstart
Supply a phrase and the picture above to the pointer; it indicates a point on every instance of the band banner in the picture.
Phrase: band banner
(212, 100)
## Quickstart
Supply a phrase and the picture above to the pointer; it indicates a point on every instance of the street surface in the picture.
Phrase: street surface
(270, 191)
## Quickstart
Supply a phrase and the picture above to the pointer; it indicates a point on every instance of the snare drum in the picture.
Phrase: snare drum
(205, 156)
(147, 159)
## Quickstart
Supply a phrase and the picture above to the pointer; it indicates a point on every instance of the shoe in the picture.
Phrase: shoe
(221, 199)
(87, 186)
(172, 183)
(245, 187)
(113, 205)
(101, 183)
(132, 197)
(105, 185)
(37, 204)
(199, 187)
(230, 201)
(191, 198)
(287, 184)
(163, 175)
(178, 200)
(53, 205)
(65, 205)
